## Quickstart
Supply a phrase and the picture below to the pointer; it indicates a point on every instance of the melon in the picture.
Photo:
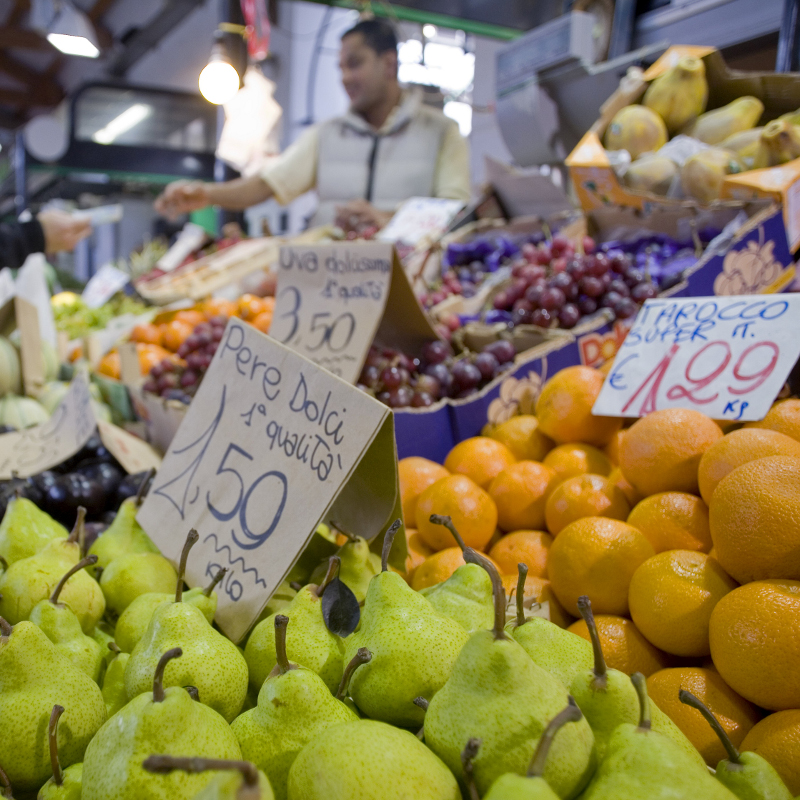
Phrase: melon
(21, 412)
(10, 368)
(101, 411)
(51, 364)
(54, 392)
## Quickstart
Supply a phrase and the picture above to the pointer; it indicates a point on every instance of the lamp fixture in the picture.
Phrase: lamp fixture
(219, 80)
(128, 119)
(71, 32)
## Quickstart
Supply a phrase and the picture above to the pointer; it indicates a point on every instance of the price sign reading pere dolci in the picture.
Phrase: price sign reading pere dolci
(725, 356)
(269, 446)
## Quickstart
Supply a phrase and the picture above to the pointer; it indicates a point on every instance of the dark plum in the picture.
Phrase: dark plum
(70, 491)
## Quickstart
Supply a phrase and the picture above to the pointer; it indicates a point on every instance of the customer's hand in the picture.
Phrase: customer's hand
(62, 231)
(359, 214)
(181, 197)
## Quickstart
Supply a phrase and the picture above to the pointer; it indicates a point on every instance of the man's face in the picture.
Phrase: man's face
(366, 76)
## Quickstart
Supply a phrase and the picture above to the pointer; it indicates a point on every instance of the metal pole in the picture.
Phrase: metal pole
(622, 28)
(788, 59)
(20, 176)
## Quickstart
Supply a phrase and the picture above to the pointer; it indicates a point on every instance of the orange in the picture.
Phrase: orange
(526, 547)
(262, 321)
(671, 598)
(584, 496)
(415, 474)
(661, 452)
(437, 568)
(418, 551)
(479, 458)
(611, 450)
(597, 557)
(755, 642)
(110, 364)
(147, 334)
(191, 316)
(248, 307)
(734, 713)
(568, 460)
(755, 520)
(621, 482)
(737, 448)
(783, 417)
(624, 647)
(520, 493)
(521, 435)
(564, 408)
(176, 333)
(150, 355)
(219, 307)
(673, 521)
(473, 512)
(777, 739)
(537, 590)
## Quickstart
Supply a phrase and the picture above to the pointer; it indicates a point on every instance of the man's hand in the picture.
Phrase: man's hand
(182, 197)
(359, 214)
(62, 231)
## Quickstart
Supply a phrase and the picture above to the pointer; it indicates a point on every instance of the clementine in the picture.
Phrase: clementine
(520, 493)
(526, 547)
(479, 458)
(783, 417)
(569, 460)
(673, 521)
(147, 334)
(537, 590)
(176, 333)
(437, 567)
(777, 739)
(415, 474)
(584, 496)
(521, 435)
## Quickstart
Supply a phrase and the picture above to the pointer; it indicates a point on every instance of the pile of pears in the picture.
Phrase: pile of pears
(675, 104)
(115, 684)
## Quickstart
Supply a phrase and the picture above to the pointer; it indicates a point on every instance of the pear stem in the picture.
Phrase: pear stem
(3, 563)
(334, 562)
(522, 574)
(362, 656)
(281, 623)
(5, 783)
(163, 765)
(467, 756)
(114, 648)
(600, 680)
(570, 714)
(688, 699)
(158, 678)
(190, 542)
(640, 684)
(193, 692)
(421, 702)
(442, 519)
(388, 540)
(350, 536)
(144, 486)
(77, 533)
(84, 562)
(217, 578)
(296, 585)
(473, 557)
(5, 628)
(52, 738)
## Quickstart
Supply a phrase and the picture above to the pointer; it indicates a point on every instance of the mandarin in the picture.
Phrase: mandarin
(584, 496)
(661, 452)
(175, 333)
(147, 334)
(418, 551)
(521, 435)
(596, 556)
(415, 474)
(192, 316)
(621, 482)
(538, 590)
(262, 322)
(526, 547)
(437, 567)
(564, 408)
(520, 493)
(777, 739)
(480, 458)
(611, 450)
(569, 460)
(673, 521)
(783, 417)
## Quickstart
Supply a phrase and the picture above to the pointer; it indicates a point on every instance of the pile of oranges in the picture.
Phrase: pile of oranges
(686, 539)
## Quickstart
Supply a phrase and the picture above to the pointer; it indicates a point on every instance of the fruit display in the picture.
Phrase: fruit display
(76, 319)
(587, 610)
(707, 144)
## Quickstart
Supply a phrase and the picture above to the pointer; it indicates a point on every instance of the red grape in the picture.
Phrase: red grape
(560, 245)
(589, 245)
(168, 381)
(632, 276)
(421, 400)
(558, 265)
(189, 378)
(502, 350)
(569, 316)
(370, 376)
(587, 305)
(618, 285)
(391, 377)
(487, 365)
(195, 360)
(610, 300)
(643, 291)
(465, 376)
(400, 397)
(435, 352)
(442, 375)
(591, 286)
(533, 293)
(501, 301)
(428, 385)
(151, 386)
(626, 308)
(542, 318)
(552, 299)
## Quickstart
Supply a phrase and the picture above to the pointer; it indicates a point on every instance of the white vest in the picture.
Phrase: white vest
(404, 154)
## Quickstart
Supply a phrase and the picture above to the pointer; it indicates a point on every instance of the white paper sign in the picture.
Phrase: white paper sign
(727, 357)
(103, 285)
(419, 217)
(268, 444)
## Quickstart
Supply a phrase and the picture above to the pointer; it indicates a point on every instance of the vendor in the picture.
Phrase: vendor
(386, 148)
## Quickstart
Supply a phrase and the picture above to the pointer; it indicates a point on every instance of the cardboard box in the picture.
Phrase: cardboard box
(597, 185)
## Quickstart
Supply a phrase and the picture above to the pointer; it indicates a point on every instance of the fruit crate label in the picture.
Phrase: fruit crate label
(727, 357)
(333, 300)
(103, 285)
(270, 446)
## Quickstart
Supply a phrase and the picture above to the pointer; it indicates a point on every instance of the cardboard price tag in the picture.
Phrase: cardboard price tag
(332, 299)
(270, 446)
(420, 217)
(103, 285)
(727, 357)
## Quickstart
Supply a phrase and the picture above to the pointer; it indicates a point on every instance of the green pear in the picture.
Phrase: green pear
(240, 780)
(129, 576)
(641, 762)
(63, 628)
(33, 678)
(367, 759)
(210, 662)
(103, 634)
(158, 721)
(413, 648)
(357, 568)
(32, 579)
(533, 786)
(499, 695)
(309, 643)
(294, 706)
(747, 775)
(114, 692)
(124, 535)
(5, 785)
(133, 621)
(65, 784)
(284, 595)
(26, 529)
(607, 697)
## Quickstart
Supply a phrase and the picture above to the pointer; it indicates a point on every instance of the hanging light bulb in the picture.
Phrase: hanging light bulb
(219, 81)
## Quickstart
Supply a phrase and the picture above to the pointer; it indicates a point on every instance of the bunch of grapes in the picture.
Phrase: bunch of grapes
(180, 379)
(553, 286)
(400, 381)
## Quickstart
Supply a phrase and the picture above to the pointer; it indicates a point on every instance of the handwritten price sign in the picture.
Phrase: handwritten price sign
(269, 443)
(725, 356)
